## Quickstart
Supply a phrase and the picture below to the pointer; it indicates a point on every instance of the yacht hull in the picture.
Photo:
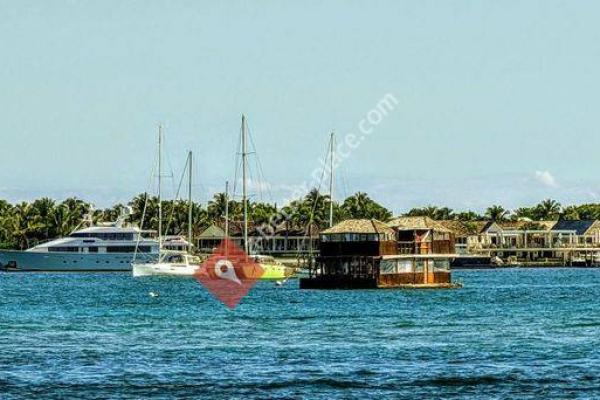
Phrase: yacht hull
(69, 262)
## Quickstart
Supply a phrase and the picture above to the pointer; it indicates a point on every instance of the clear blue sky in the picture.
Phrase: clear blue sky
(497, 100)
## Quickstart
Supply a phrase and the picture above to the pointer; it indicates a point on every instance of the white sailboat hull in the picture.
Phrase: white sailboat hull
(163, 269)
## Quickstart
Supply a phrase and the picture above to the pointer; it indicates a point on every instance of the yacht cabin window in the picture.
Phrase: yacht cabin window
(104, 235)
(64, 249)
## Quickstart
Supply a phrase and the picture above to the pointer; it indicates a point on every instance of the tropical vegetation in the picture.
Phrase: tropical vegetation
(27, 223)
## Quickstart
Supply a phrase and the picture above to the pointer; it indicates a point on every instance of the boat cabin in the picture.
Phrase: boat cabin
(176, 243)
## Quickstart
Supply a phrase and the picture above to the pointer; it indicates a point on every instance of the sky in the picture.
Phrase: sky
(496, 101)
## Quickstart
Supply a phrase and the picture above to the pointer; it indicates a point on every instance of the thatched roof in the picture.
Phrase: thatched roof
(360, 226)
(417, 223)
(522, 225)
(464, 228)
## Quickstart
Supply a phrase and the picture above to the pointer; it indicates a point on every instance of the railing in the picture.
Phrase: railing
(350, 266)
(557, 246)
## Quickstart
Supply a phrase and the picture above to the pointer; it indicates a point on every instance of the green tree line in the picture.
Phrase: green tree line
(28, 223)
(547, 210)
(25, 224)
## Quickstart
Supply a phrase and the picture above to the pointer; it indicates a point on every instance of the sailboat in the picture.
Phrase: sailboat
(269, 269)
(170, 262)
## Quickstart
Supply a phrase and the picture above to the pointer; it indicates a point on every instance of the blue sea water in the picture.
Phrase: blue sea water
(517, 333)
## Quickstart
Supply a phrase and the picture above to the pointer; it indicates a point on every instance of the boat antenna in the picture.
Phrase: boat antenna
(190, 204)
(331, 156)
(244, 183)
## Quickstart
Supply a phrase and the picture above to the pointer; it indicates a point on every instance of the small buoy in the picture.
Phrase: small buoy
(153, 294)
(279, 283)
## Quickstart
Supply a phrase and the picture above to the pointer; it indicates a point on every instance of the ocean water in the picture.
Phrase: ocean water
(517, 333)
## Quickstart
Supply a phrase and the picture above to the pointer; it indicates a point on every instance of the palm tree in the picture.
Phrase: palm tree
(589, 211)
(548, 210)
(524, 213)
(216, 206)
(109, 214)
(360, 205)
(570, 213)
(149, 204)
(22, 223)
(42, 212)
(468, 216)
(261, 213)
(496, 213)
(300, 213)
(63, 220)
(313, 208)
(444, 213)
(429, 211)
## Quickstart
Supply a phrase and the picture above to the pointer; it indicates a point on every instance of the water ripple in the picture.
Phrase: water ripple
(507, 334)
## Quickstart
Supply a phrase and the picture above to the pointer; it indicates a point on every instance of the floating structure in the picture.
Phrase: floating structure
(370, 254)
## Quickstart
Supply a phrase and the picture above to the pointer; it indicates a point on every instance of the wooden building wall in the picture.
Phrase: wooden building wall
(413, 278)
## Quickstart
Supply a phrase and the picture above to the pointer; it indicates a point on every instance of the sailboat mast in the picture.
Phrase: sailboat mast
(331, 156)
(226, 209)
(159, 186)
(226, 219)
(190, 204)
(244, 183)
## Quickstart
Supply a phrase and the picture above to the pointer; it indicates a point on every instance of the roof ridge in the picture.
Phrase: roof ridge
(372, 221)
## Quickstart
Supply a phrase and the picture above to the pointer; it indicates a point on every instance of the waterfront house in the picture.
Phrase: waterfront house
(210, 238)
(543, 242)
(484, 235)
(284, 239)
(466, 233)
(583, 232)
(362, 253)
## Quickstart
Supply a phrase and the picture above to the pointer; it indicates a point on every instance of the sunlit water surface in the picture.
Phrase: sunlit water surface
(507, 334)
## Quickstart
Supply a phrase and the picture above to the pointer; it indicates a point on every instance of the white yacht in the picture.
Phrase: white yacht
(174, 263)
(103, 247)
